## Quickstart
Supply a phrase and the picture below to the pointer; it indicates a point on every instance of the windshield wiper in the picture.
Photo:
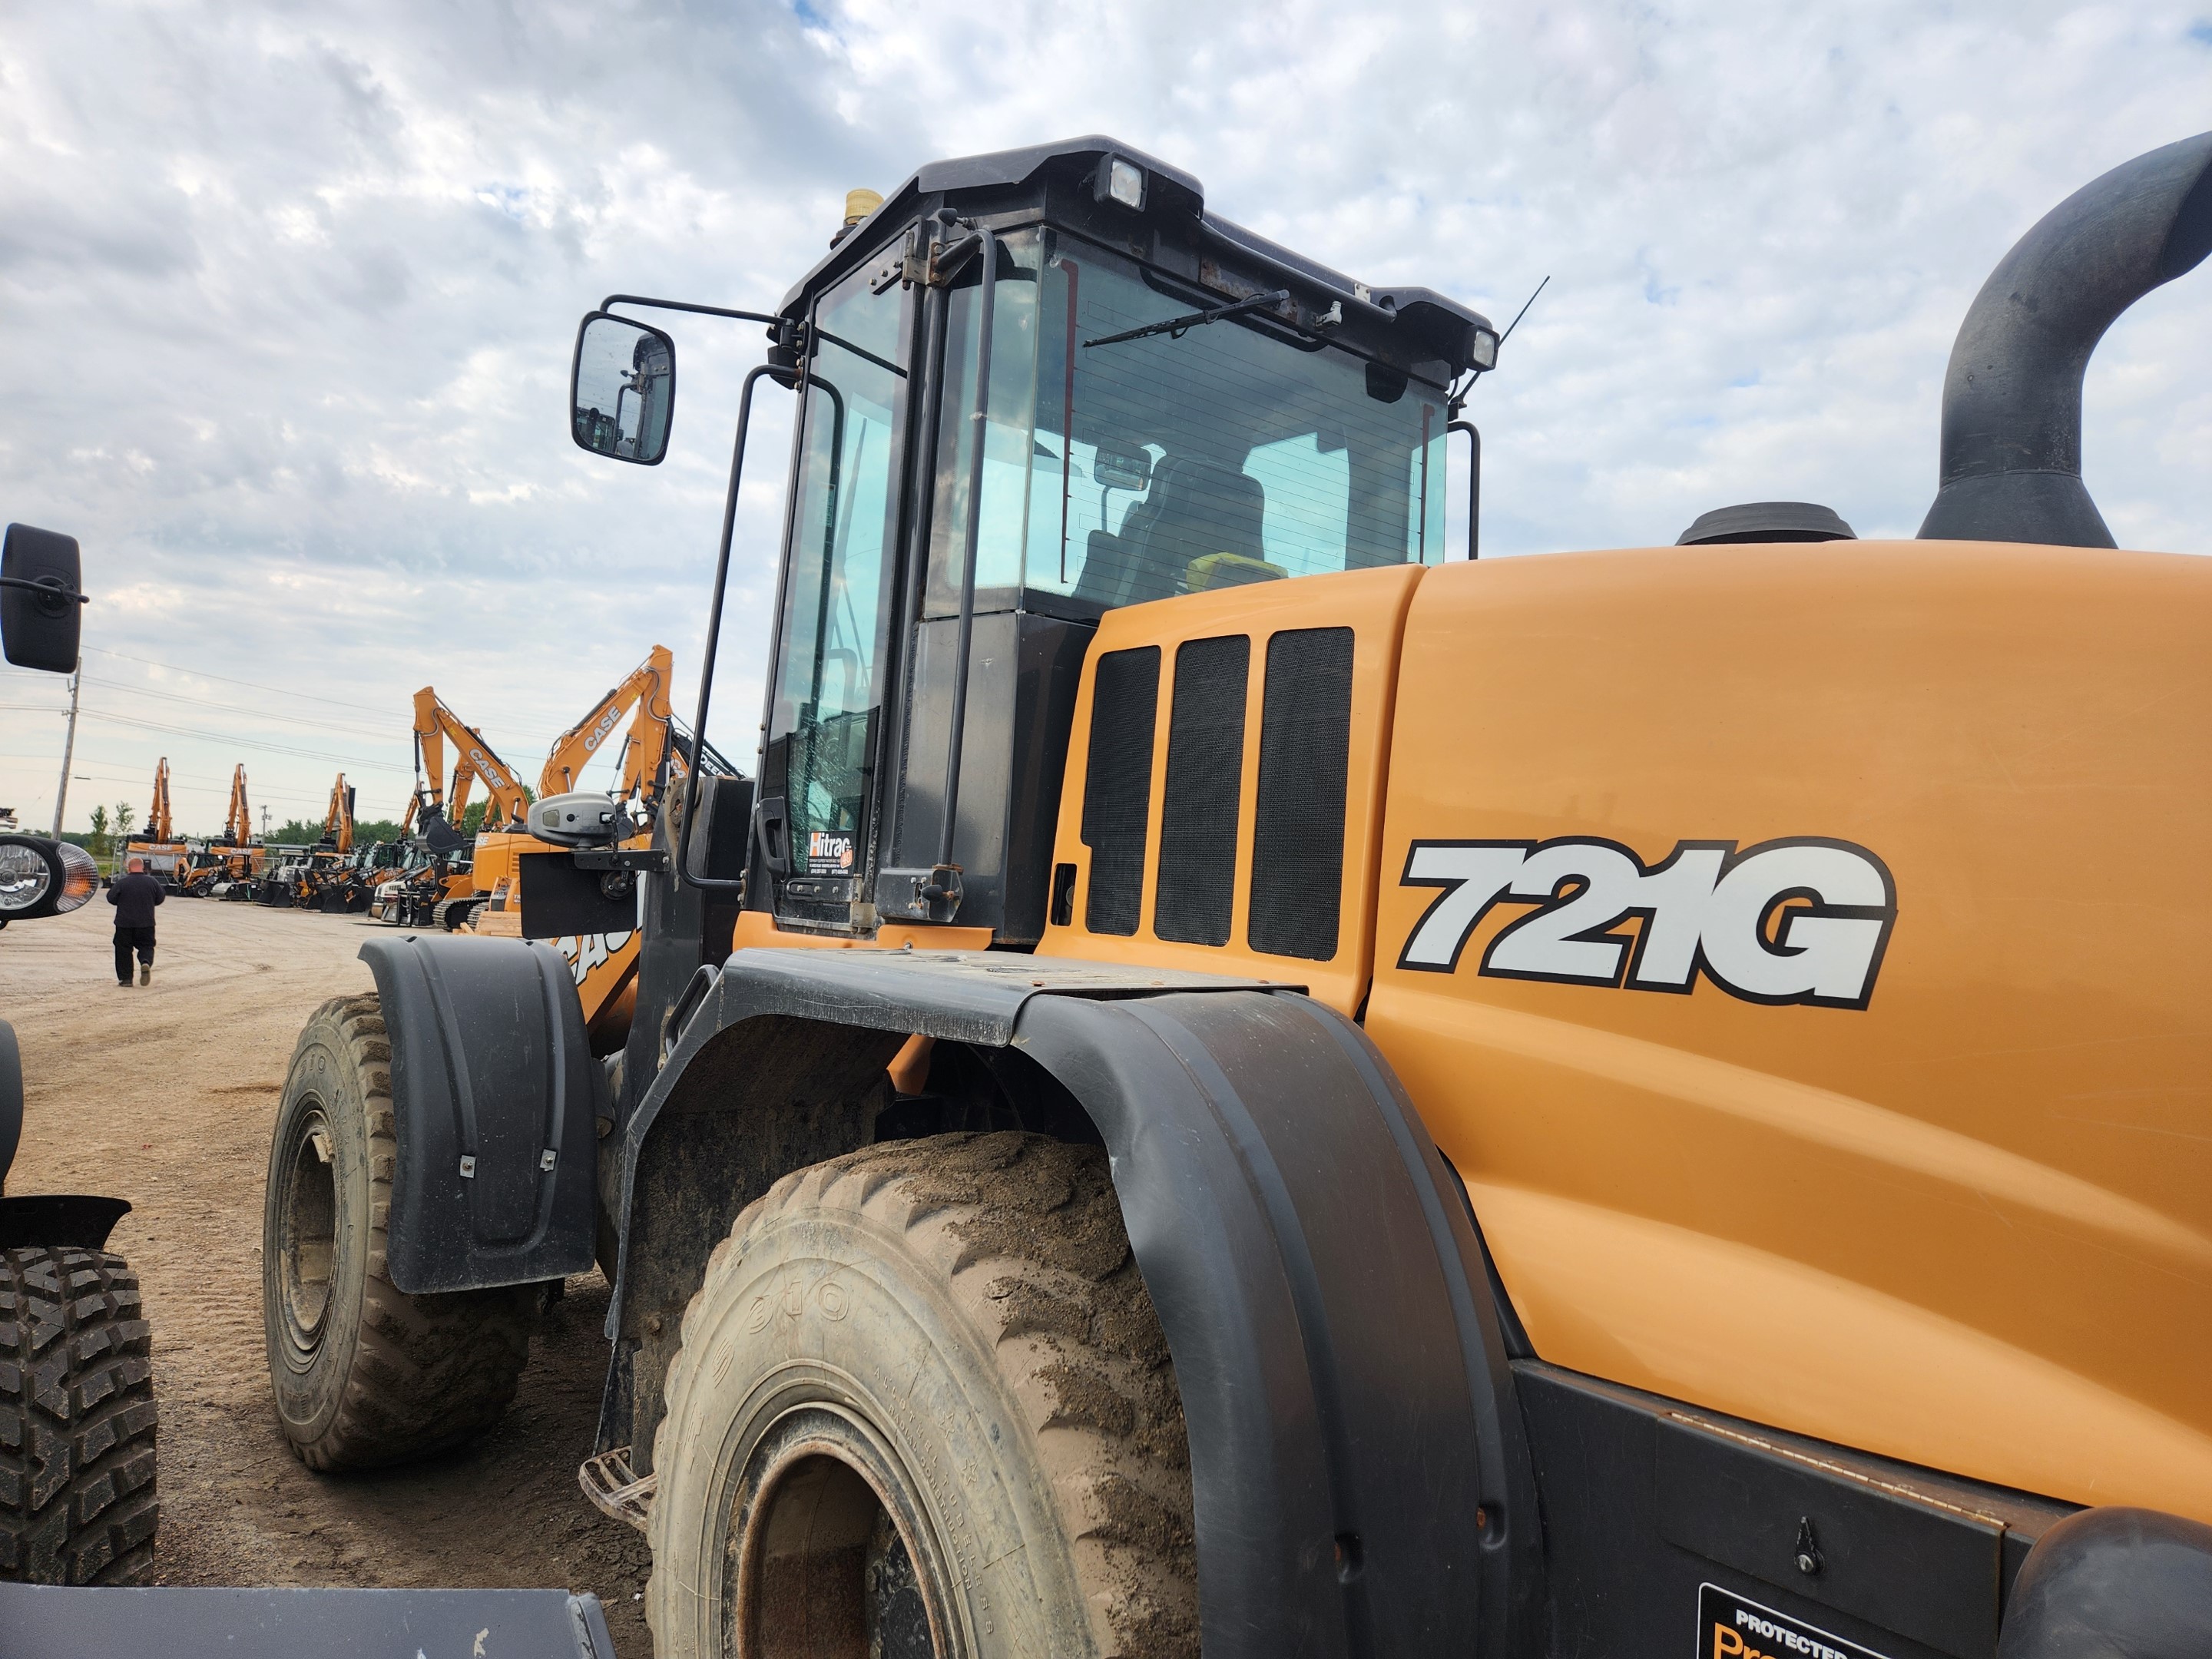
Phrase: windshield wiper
(1175, 327)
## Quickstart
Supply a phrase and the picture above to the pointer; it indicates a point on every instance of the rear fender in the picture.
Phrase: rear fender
(1361, 1480)
(495, 1096)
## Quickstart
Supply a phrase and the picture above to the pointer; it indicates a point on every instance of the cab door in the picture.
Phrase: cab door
(833, 640)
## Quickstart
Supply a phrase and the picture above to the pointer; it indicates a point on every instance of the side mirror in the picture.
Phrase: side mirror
(714, 851)
(622, 389)
(40, 575)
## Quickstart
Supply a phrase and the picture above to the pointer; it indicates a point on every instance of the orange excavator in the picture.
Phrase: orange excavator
(439, 890)
(226, 867)
(164, 857)
(602, 965)
(321, 876)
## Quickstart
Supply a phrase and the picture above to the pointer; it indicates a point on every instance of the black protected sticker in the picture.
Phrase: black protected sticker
(1730, 1627)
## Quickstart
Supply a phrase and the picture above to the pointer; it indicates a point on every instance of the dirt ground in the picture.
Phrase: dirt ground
(165, 1095)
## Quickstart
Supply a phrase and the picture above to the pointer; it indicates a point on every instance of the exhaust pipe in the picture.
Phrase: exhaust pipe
(2011, 466)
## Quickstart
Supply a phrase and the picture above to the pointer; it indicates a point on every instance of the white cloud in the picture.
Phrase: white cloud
(289, 293)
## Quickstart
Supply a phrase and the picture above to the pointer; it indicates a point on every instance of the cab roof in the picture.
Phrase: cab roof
(1172, 230)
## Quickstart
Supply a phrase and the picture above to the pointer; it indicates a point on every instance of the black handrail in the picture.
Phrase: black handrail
(715, 625)
(1474, 484)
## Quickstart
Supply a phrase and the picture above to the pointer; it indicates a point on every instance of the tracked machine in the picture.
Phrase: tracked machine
(1238, 1082)
(437, 889)
(226, 867)
(572, 907)
(164, 857)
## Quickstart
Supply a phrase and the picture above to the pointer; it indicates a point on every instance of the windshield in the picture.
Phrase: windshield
(1120, 471)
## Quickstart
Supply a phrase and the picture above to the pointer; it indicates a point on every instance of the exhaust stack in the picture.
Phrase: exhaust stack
(2011, 459)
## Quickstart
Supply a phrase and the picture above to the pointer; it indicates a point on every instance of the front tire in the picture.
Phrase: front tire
(923, 1406)
(365, 1374)
(77, 1503)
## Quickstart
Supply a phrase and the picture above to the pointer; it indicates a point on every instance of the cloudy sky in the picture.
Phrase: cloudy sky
(287, 293)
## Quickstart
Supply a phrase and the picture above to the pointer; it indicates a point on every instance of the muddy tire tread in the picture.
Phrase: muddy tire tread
(77, 1497)
(1076, 1342)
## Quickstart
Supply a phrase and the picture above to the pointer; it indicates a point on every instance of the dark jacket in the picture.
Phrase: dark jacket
(134, 897)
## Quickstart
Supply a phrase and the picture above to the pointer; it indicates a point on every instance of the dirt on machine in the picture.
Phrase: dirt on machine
(1239, 1079)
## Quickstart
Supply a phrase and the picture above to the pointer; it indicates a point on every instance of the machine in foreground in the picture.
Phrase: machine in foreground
(1236, 1082)
(77, 1498)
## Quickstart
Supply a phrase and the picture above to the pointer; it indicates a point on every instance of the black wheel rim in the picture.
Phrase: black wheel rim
(829, 1551)
(307, 1230)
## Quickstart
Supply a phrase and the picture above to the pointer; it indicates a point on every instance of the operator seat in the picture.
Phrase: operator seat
(1193, 507)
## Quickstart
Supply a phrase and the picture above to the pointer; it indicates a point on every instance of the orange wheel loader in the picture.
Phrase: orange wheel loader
(1238, 1081)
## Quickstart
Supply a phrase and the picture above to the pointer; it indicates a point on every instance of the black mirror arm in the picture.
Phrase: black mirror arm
(1474, 484)
(49, 588)
(614, 300)
(714, 624)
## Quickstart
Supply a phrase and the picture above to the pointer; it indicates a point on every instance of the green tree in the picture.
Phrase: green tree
(99, 832)
(125, 815)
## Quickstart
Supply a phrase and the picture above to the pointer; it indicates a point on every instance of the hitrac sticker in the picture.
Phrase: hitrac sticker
(1730, 1627)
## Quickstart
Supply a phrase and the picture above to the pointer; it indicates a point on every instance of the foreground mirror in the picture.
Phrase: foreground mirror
(39, 583)
(622, 389)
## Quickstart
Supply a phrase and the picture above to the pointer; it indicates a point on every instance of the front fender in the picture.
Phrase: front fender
(1361, 1478)
(495, 1096)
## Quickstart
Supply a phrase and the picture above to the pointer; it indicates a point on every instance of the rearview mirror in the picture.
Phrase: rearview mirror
(622, 389)
(40, 576)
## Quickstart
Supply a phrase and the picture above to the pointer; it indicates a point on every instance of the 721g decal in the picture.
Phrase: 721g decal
(1803, 920)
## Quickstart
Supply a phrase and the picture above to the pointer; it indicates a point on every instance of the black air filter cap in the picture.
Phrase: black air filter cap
(1767, 521)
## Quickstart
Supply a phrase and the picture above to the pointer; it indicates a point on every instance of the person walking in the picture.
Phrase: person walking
(134, 897)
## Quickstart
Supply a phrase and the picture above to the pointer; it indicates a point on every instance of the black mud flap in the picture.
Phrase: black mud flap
(1362, 1485)
(494, 1094)
(283, 1624)
(59, 1221)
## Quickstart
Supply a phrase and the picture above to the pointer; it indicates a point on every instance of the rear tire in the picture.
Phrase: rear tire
(365, 1374)
(77, 1503)
(923, 1406)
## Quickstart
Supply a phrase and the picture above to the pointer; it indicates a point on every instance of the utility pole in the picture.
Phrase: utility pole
(68, 748)
(265, 823)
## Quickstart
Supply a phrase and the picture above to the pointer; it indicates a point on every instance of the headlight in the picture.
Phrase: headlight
(80, 877)
(27, 875)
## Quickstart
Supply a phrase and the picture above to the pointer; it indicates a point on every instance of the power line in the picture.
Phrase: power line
(231, 707)
(201, 673)
(242, 743)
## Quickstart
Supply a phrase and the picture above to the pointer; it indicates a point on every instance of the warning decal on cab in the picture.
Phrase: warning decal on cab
(1730, 1627)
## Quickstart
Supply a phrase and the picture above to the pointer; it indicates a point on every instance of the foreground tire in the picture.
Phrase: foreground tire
(365, 1374)
(77, 1503)
(923, 1406)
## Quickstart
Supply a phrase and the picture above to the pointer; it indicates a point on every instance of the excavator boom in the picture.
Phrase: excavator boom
(338, 820)
(238, 823)
(646, 687)
(157, 815)
(435, 725)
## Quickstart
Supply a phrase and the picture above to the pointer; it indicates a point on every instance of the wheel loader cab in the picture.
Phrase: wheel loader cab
(1026, 403)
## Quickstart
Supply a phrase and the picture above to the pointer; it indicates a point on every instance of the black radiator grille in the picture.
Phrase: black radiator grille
(1117, 787)
(1198, 812)
(1297, 829)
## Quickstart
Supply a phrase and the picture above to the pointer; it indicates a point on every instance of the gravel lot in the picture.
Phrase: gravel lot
(165, 1095)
